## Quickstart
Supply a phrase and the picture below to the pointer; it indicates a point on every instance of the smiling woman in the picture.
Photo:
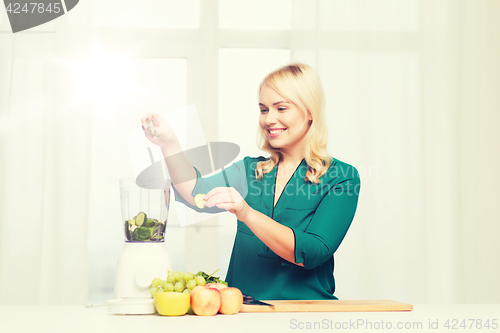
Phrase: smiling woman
(296, 95)
(285, 236)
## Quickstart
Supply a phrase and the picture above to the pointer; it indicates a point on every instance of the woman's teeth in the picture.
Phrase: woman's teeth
(276, 131)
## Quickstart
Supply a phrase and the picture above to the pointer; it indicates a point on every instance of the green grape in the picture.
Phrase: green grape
(171, 279)
(156, 282)
(169, 287)
(187, 291)
(179, 287)
(160, 290)
(200, 280)
(191, 284)
(163, 283)
(188, 276)
(177, 276)
(153, 291)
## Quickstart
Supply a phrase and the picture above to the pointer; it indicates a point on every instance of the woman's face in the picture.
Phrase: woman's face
(283, 122)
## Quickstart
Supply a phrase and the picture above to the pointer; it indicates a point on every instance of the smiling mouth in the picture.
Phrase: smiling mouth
(277, 131)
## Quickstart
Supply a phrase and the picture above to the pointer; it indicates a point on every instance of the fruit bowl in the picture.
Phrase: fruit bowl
(172, 303)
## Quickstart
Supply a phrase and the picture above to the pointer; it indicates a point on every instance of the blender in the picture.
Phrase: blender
(144, 257)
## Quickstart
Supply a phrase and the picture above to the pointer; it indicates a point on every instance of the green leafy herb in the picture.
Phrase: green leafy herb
(211, 278)
(150, 223)
(141, 234)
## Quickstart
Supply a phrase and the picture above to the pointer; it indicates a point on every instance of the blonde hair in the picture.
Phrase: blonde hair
(300, 85)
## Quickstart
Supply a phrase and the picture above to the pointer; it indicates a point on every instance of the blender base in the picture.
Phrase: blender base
(130, 306)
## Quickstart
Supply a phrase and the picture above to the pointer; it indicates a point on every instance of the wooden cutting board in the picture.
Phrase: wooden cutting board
(329, 306)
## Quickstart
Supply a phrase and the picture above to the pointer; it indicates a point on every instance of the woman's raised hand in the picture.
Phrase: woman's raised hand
(157, 129)
(229, 199)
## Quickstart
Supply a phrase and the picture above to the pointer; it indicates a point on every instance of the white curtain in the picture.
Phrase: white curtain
(412, 101)
(44, 167)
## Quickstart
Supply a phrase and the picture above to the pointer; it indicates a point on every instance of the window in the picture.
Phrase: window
(165, 14)
(355, 15)
(255, 14)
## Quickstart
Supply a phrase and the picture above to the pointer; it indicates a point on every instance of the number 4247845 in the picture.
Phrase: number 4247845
(471, 323)
(15, 8)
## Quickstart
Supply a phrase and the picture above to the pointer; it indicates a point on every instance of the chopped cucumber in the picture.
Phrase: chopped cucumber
(199, 201)
(140, 219)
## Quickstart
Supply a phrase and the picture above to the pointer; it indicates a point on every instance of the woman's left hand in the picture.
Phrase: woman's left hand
(229, 199)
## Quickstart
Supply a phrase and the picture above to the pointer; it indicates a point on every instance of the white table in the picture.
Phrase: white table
(55, 319)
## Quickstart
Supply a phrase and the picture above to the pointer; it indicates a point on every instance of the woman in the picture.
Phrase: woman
(293, 208)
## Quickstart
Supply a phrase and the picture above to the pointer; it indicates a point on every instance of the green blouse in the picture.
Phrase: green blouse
(319, 215)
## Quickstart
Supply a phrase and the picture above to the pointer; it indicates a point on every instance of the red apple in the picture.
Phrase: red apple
(218, 286)
(205, 301)
(232, 300)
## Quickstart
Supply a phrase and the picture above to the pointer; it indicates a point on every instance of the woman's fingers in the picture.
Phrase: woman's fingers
(148, 116)
(151, 125)
(226, 198)
(222, 195)
(151, 116)
(214, 191)
(227, 206)
(217, 198)
(147, 132)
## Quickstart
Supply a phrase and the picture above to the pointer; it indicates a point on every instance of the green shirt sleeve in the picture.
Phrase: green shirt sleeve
(330, 223)
(234, 176)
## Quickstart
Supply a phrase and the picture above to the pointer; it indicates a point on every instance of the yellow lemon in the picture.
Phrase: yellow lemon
(172, 303)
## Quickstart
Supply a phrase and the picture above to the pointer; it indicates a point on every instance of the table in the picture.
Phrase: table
(423, 318)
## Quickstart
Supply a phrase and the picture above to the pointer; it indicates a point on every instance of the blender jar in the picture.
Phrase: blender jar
(144, 211)
(144, 257)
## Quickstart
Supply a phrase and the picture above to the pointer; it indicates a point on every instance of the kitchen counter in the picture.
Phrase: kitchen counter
(423, 318)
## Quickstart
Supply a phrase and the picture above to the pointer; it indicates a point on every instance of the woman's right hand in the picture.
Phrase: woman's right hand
(157, 129)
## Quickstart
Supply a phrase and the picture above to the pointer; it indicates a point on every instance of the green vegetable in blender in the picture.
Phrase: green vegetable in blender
(127, 230)
(157, 232)
(140, 219)
(144, 229)
(141, 234)
(150, 223)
